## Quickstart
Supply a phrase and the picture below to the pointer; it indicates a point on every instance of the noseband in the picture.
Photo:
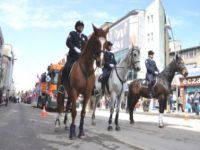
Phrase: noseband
(133, 62)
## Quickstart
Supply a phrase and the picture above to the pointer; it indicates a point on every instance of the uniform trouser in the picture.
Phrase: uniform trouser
(67, 67)
(106, 74)
(151, 79)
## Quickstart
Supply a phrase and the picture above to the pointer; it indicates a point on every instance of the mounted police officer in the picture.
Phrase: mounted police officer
(152, 71)
(110, 62)
(75, 42)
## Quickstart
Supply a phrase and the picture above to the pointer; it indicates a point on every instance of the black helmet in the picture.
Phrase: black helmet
(150, 52)
(79, 23)
(110, 43)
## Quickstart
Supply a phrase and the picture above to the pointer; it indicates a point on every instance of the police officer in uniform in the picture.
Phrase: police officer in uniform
(152, 71)
(75, 42)
(110, 62)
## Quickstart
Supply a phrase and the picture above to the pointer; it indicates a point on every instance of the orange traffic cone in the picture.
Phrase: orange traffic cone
(186, 116)
(43, 113)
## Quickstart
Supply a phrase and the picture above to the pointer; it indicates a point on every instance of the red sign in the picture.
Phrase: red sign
(192, 81)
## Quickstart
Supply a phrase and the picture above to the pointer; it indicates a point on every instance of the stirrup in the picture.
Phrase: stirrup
(61, 89)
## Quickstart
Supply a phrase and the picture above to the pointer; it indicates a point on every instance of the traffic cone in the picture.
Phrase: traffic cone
(43, 113)
(186, 116)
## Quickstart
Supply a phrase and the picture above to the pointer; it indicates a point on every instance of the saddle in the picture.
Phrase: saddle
(146, 83)
(104, 83)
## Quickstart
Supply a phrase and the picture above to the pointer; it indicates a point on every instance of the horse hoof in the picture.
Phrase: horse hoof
(72, 137)
(56, 130)
(110, 128)
(117, 128)
(81, 135)
(93, 123)
(161, 126)
(66, 128)
(132, 122)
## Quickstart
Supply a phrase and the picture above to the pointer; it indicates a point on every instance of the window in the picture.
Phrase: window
(152, 18)
(148, 18)
(148, 37)
(191, 54)
(151, 36)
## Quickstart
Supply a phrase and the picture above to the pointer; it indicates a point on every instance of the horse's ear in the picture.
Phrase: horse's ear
(107, 30)
(95, 29)
(176, 57)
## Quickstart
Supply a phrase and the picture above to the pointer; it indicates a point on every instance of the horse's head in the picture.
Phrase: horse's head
(179, 65)
(134, 58)
(99, 45)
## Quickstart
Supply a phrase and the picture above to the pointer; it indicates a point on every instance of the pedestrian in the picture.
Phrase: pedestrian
(180, 104)
(196, 101)
(7, 97)
(171, 102)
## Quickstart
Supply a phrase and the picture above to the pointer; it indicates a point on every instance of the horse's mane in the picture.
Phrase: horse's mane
(169, 72)
(88, 44)
(124, 58)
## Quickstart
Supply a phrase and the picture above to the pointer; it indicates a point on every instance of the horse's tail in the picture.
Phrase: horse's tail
(60, 96)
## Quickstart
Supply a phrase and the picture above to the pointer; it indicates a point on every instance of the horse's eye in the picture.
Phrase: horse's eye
(134, 55)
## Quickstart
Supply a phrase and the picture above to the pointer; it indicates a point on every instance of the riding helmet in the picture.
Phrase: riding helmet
(79, 23)
(110, 43)
(150, 52)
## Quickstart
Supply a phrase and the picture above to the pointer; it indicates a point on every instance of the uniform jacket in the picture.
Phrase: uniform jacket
(109, 59)
(151, 69)
(75, 39)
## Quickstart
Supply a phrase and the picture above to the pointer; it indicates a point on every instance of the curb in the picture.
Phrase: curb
(174, 115)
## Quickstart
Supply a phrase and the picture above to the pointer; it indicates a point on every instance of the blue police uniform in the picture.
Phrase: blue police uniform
(74, 41)
(151, 71)
(109, 58)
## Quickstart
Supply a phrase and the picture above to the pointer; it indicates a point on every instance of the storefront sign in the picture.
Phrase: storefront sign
(119, 35)
(195, 81)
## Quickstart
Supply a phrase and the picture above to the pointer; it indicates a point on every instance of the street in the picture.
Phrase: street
(22, 128)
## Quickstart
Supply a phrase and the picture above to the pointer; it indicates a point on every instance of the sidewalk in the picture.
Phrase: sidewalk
(167, 114)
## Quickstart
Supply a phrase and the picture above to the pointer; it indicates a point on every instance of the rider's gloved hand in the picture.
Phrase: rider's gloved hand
(156, 72)
(111, 65)
(77, 50)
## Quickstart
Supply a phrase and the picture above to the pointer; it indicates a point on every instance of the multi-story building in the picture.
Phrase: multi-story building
(145, 29)
(6, 81)
(1, 47)
(191, 57)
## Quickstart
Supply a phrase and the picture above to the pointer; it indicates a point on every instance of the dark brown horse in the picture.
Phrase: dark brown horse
(82, 78)
(161, 89)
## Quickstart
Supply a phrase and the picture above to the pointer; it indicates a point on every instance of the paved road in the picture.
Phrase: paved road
(22, 128)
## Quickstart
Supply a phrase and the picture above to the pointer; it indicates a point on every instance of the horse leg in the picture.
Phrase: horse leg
(132, 101)
(117, 114)
(66, 120)
(94, 105)
(161, 111)
(60, 108)
(81, 129)
(73, 96)
(57, 122)
(110, 128)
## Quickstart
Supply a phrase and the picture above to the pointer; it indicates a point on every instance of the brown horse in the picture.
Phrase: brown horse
(82, 78)
(161, 89)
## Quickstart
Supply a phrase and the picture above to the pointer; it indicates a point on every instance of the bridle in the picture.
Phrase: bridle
(133, 61)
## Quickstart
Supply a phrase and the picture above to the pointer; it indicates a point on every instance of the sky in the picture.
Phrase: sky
(37, 29)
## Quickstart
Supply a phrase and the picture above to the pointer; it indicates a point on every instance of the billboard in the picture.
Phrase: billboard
(119, 35)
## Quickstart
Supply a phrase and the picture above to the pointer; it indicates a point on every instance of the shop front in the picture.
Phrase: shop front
(189, 86)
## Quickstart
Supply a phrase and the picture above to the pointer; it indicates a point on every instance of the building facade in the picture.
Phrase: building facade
(144, 29)
(191, 84)
(6, 81)
(1, 56)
